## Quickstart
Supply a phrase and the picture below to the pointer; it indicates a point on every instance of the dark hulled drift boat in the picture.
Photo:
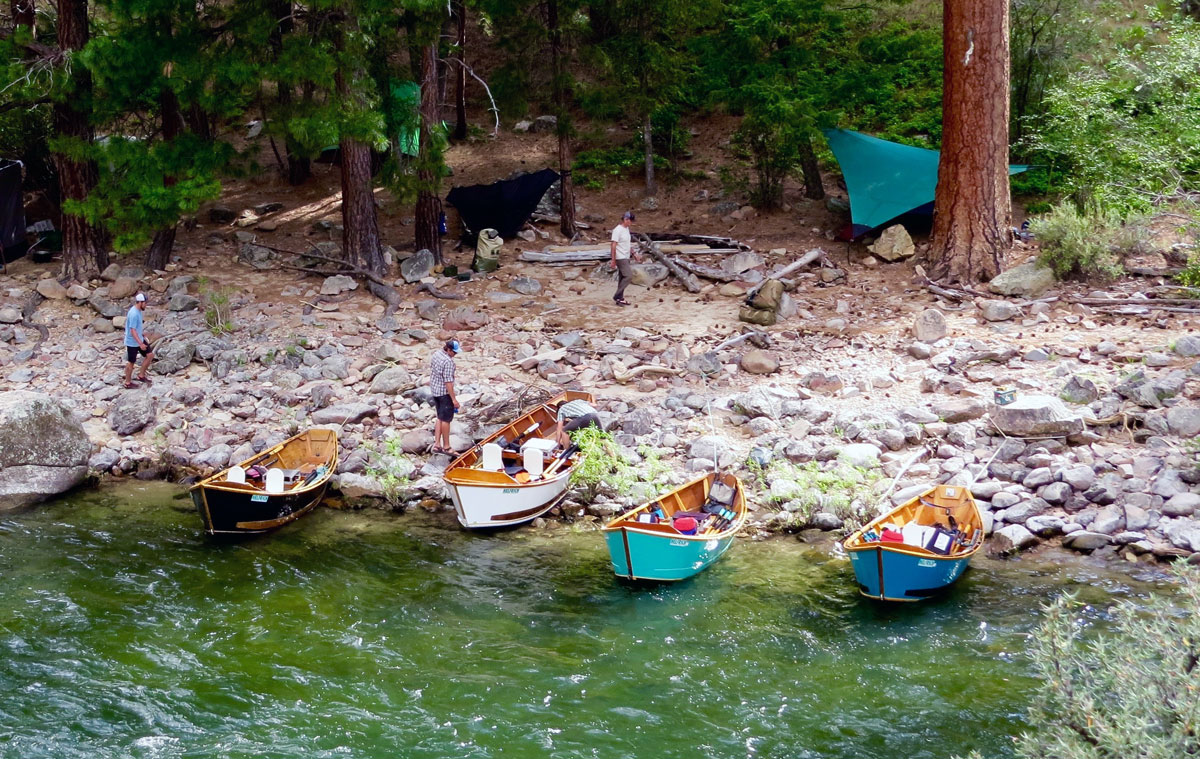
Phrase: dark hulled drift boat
(294, 476)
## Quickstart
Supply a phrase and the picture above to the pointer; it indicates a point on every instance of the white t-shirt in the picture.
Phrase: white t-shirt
(620, 236)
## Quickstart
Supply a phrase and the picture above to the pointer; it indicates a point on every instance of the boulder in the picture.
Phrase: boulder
(173, 357)
(823, 520)
(1037, 416)
(1079, 477)
(1079, 390)
(183, 302)
(960, 409)
(1181, 505)
(338, 283)
(429, 309)
(464, 318)
(648, 274)
(759, 362)
(344, 413)
(1011, 539)
(544, 124)
(1029, 280)
(43, 449)
(417, 266)
(417, 441)
(216, 457)
(1188, 345)
(894, 244)
(391, 381)
(860, 454)
(929, 326)
(755, 403)
(998, 310)
(1086, 540)
(102, 306)
(708, 447)
(704, 364)
(1184, 421)
(51, 288)
(122, 288)
(132, 411)
(525, 286)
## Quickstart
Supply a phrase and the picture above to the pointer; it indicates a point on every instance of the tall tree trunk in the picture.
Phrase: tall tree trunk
(567, 189)
(460, 73)
(360, 221)
(813, 188)
(647, 137)
(972, 214)
(159, 253)
(429, 206)
(83, 245)
(299, 167)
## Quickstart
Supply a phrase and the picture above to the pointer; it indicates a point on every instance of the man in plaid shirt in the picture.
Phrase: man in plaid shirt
(441, 384)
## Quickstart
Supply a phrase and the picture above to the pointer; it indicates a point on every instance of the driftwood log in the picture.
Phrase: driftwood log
(638, 371)
(428, 288)
(375, 284)
(707, 272)
(816, 254)
(656, 253)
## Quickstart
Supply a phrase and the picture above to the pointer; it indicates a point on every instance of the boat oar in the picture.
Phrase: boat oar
(558, 461)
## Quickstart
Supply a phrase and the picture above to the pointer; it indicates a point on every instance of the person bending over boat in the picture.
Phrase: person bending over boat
(441, 384)
(574, 415)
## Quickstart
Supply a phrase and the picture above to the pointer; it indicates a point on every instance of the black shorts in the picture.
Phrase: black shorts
(132, 351)
(444, 407)
(580, 422)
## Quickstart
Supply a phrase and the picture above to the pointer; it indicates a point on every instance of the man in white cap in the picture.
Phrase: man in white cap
(135, 342)
(620, 249)
(441, 385)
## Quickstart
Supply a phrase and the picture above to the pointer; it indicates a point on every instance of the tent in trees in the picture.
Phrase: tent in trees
(12, 212)
(401, 117)
(503, 206)
(885, 180)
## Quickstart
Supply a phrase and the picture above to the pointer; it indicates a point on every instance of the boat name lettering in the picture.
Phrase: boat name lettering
(511, 490)
(678, 542)
(926, 563)
(258, 498)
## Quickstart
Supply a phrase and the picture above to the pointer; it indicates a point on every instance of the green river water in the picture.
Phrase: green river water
(124, 633)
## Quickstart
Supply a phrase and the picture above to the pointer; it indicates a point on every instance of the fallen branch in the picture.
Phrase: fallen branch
(750, 335)
(638, 371)
(656, 253)
(428, 288)
(376, 285)
(816, 254)
(707, 272)
(531, 361)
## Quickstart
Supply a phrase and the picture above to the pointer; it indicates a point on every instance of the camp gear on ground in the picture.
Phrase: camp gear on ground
(270, 489)
(487, 251)
(484, 498)
(762, 307)
(918, 548)
(504, 206)
(659, 547)
(885, 179)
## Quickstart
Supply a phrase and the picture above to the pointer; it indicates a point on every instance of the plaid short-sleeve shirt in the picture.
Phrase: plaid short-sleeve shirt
(441, 372)
(574, 409)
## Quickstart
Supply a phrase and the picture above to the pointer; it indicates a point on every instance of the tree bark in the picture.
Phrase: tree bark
(83, 245)
(647, 137)
(159, 253)
(813, 188)
(460, 73)
(563, 126)
(972, 218)
(360, 222)
(429, 205)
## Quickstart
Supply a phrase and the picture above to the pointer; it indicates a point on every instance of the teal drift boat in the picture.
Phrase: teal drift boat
(679, 534)
(918, 548)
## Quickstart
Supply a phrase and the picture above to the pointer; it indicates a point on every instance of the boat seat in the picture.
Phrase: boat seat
(274, 481)
(532, 458)
(236, 474)
(493, 458)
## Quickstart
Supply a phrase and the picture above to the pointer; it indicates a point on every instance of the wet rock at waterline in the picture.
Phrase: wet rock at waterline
(43, 449)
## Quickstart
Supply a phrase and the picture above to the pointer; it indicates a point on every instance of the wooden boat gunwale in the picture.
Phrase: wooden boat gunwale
(854, 541)
(211, 482)
(663, 530)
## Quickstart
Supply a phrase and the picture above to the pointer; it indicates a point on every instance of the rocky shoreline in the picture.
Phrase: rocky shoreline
(1096, 452)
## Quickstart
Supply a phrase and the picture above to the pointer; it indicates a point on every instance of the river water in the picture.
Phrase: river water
(124, 633)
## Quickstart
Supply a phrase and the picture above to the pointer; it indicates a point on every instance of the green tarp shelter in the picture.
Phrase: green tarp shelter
(885, 179)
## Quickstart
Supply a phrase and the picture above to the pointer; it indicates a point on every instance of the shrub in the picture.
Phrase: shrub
(1078, 243)
(603, 465)
(391, 469)
(841, 489)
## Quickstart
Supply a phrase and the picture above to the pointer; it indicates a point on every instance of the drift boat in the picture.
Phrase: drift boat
(270, 489)
(517, 473)
(919, 548)
(681, 533)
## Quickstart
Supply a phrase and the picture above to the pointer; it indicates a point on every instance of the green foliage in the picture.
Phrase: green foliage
(593, 168)
(1046, 38)
(390, 468)
(841, 489)
(603, 465)
(1190, 276)
(1125, 124)
(218, 309)
(1133, 691)
(1087, 243)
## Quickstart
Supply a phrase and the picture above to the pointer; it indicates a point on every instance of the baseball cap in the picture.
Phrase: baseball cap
(629, 215)
(454, 346)
(140, 298)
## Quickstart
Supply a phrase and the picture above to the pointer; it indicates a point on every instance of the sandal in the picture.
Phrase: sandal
(129, 385)
(147, 380)
(436, 450)
(621, 302)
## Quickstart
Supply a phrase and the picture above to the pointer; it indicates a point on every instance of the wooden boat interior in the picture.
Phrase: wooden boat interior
(299, 457)
(951, 509)
(689, 499)
(540, 423)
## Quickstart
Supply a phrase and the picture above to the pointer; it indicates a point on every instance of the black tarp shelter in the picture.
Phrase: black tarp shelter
(12, 212)
(503, 206)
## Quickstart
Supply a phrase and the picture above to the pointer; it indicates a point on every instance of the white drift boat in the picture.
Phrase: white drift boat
(515, 474)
